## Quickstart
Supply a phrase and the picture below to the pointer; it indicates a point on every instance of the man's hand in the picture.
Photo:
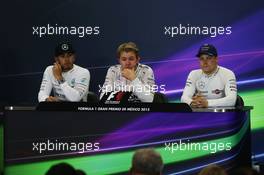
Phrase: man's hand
(57, 71)
(129, 74)
(52, 99)
(198, 101)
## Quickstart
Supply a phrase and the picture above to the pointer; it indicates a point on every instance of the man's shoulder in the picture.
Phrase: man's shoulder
(115, 67)
(194, 75)
(49, 69)
(196, 72)
(225, 71)
(81, 70)
(144, 67)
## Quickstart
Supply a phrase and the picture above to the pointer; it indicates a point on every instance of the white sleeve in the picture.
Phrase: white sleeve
(45, 87)
(143, 89)
(189, 89)
(80, 89)
(230, 92)
(108, 84)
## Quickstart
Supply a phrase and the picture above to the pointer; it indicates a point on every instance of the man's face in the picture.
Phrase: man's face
(66, 61)
(128, 60)
(208, 63)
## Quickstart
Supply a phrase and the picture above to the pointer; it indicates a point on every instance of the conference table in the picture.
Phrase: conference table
(101, 139)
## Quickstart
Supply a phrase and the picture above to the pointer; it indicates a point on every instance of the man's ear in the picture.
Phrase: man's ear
(138, 58)
(74, 58)
(118, 59)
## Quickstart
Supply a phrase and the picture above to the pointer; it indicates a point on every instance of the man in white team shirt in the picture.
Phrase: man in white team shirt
(68, 81)
(130, 75)
(212, 85)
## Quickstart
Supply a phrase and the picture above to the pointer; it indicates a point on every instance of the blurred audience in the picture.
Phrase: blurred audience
(146, 162)
(245, 171)
(63, 169)
(213, 170)
(80, 172)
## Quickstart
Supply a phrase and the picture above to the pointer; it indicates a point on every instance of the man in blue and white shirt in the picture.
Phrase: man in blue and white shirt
(212, 85)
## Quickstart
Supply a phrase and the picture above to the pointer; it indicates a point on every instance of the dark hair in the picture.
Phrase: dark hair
(61, 169)
(245, 171)
(147, 161)
(80, 172)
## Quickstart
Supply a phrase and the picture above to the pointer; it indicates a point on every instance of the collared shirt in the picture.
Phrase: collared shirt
(219, 88)
(141, 86)
(74, 88)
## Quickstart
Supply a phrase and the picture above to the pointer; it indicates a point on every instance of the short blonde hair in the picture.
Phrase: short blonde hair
(127, 47)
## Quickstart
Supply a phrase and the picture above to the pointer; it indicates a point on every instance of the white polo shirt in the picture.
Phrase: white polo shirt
(75, 87)
(219, 88)
(142, 86)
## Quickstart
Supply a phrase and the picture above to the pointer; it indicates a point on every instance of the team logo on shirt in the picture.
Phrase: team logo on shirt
(73, 81)
(83, 80)
(201, 84)
(64, 47)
